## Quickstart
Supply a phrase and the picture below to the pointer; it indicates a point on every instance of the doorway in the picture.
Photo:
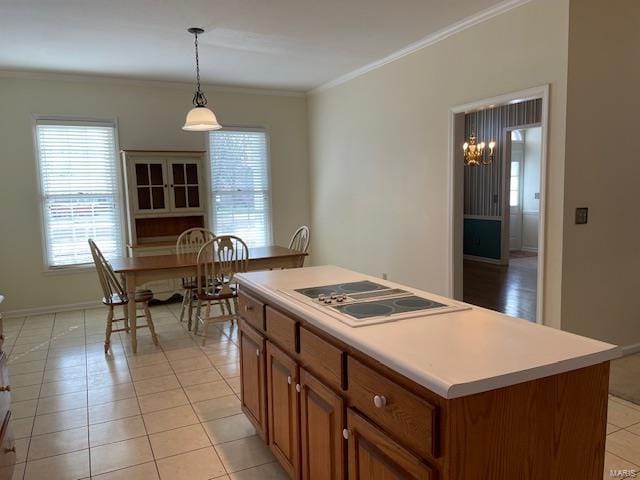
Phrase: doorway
(497, 250)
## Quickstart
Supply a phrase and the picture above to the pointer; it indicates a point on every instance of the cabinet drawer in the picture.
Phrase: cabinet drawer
(281, 329)
(251, 310)
(322, 358)
(406, 416)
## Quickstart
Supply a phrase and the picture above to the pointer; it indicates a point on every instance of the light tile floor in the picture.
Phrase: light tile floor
(167, 412)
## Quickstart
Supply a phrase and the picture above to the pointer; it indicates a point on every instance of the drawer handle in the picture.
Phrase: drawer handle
(298, 388)
(257, 352)
(289, 379)
(345, 433)
(248, 308)
(380, 401)
(5, 389)
(10, 450)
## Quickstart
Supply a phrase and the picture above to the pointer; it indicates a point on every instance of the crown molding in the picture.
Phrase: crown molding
(430, 39)
(83, 78)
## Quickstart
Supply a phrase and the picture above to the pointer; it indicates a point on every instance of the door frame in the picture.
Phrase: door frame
(455, 205)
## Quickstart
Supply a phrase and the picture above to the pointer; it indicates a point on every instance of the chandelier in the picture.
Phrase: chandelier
(474, 152)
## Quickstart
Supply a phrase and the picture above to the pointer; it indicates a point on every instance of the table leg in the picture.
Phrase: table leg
(131, 294)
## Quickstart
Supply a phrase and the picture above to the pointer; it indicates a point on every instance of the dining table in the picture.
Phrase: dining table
(137, 271)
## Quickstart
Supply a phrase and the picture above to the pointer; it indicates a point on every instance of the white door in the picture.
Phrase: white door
(515, 192)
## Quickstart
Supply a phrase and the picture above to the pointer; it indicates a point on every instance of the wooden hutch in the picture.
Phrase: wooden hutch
(165, 195)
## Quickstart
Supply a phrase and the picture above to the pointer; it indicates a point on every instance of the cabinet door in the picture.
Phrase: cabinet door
(149, 185)
(282, 399)
(185, 184)
(372, 454)
(321, 424)
(252, 378)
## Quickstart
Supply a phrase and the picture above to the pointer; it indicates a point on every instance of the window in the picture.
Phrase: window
(79, 188)
(240, 186)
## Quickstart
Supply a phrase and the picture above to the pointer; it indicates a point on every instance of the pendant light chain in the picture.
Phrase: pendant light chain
(199, 100)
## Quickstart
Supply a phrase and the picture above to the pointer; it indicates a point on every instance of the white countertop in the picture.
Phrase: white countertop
(452, 354)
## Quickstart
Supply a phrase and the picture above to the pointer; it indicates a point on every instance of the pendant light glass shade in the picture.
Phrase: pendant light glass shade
(201, 119)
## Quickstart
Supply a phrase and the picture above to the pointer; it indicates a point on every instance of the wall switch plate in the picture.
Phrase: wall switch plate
(537, 196)
(582, 215)
(384, 275)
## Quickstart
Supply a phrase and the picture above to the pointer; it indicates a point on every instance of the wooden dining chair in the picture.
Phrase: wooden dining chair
(300, 242)
(190, 242)
(218, 261)
(115, 295)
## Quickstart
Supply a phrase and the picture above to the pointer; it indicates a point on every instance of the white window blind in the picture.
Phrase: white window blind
(240, 185)
(80, 193)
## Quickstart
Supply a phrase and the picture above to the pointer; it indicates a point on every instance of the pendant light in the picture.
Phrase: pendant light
(199, 118)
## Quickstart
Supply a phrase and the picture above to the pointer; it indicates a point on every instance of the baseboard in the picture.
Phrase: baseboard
(630, 349)
(29, 312)
(529, 249)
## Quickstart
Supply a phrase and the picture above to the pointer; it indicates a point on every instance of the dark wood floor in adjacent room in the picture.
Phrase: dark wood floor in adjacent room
(511, 290)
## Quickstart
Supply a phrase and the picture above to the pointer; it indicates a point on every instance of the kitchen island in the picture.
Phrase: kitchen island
(435, 391)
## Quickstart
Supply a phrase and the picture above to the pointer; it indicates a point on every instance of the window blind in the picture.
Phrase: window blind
(240, 185)
(80, 193)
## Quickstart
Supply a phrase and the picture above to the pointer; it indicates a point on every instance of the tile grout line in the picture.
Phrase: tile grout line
(144, 424)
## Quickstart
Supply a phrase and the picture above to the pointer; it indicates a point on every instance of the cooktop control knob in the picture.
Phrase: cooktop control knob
(328, 301)
(321, 297)
(333, 296)
(341, 298)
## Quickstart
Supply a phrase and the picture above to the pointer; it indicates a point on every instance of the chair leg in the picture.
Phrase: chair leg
(184, 304)
(190, 305)
(126, 317)
(205, 331)
(107, 340)
(152, 328)
(198, 313)
(234, 319)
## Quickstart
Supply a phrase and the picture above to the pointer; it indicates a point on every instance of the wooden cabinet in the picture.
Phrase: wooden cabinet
(374, 455)
(253, 387)
(321, 426)
(7, 442)
(283, 408)
(165, 195)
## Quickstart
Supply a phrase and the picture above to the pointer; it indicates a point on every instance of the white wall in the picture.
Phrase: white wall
(149, 117)
(379, 147)
(601, 263)
(530, 187)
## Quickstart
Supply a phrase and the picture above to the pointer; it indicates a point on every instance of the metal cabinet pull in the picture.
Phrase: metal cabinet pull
(248, 308)
(10, 450)
(257, 352)
(289, 379)
(379, 401)
(298, 388)
(6, 388)
(345, 433)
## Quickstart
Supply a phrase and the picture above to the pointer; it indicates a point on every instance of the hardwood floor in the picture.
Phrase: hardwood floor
(510, 290)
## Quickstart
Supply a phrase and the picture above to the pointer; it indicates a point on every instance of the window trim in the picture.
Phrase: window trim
(44, 246)
(210, 204)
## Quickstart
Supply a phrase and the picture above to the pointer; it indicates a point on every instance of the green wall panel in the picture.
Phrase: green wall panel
(482, 237)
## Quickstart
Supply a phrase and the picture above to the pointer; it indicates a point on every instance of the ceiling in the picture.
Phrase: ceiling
(280, 44)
